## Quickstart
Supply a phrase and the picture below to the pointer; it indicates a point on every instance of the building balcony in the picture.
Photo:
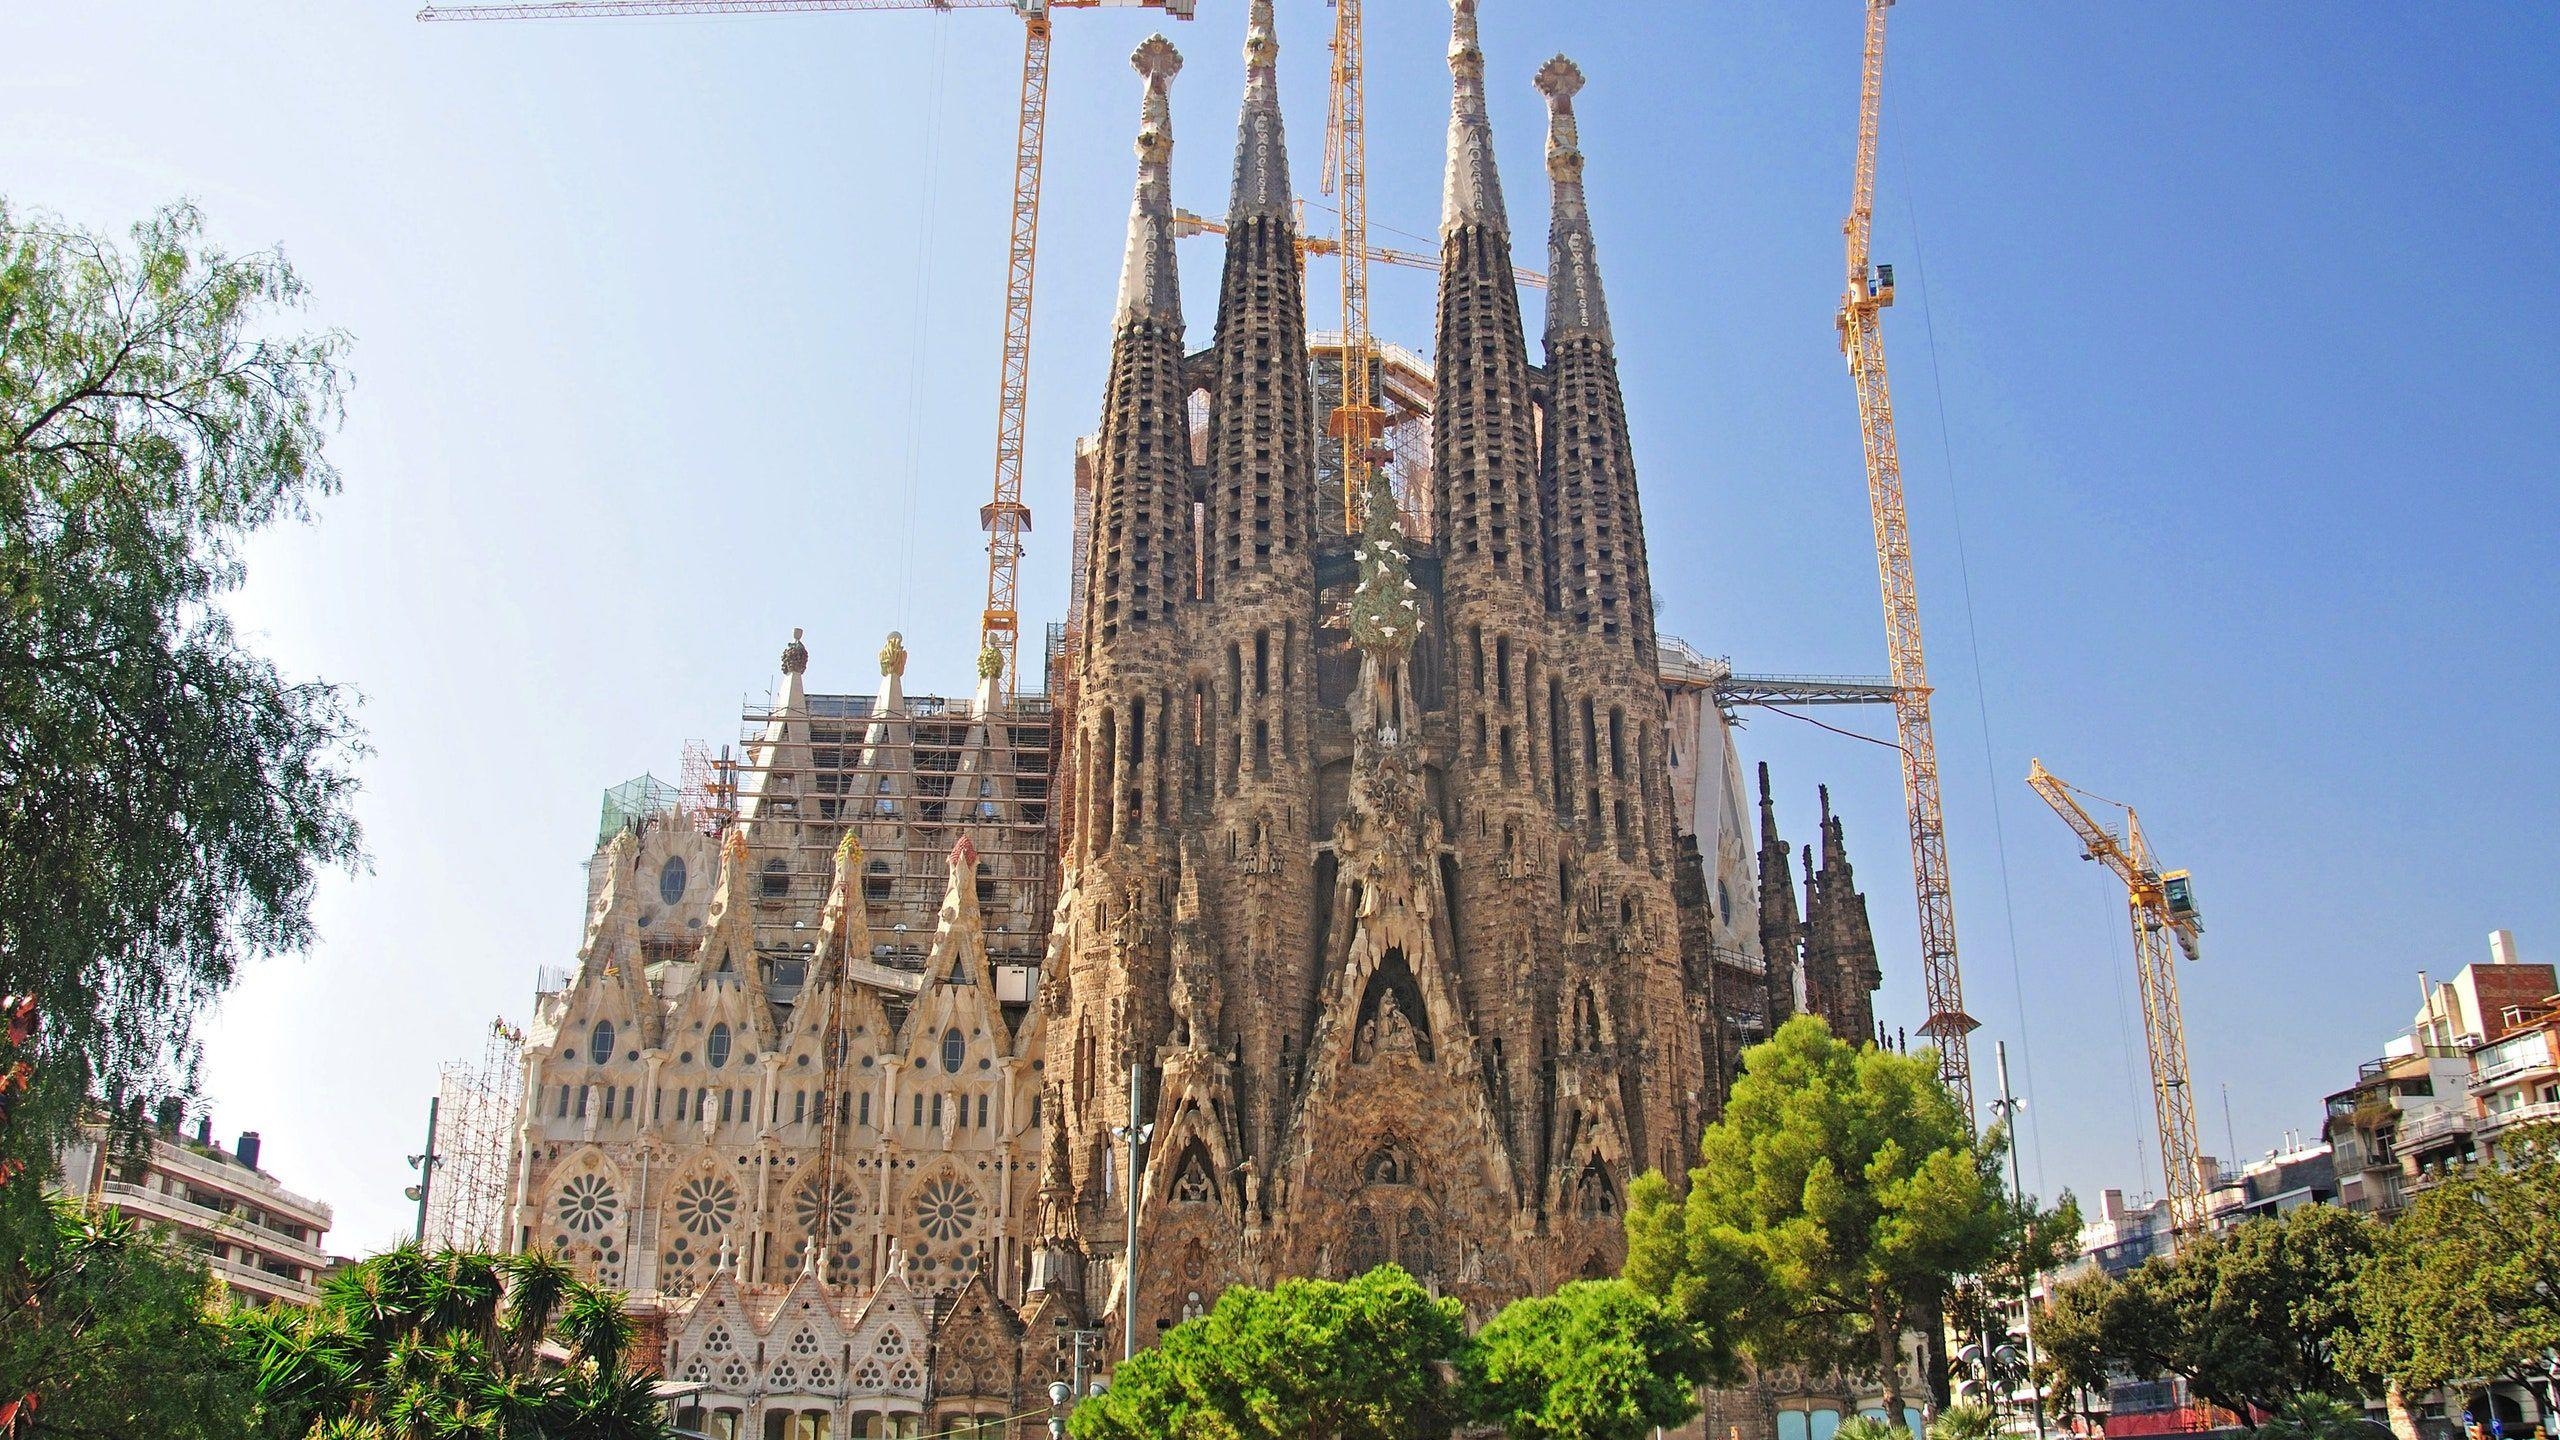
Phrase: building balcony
(259, 1284)
(242, 1181)
(179, 1212)
(2510, 1073)
(2540, 1111)
(2434, 1126)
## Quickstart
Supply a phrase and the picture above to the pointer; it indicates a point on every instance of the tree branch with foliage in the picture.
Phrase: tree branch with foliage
(167, 798)
(2250, 1318)
(1833, 1205)
(2465, 1283)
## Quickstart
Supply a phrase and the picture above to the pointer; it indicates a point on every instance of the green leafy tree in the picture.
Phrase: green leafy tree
(2465, 1284)
(1832, 1206)
(1370, 1358)
(104, 1330)
(2249, 1318)
(2071, 1343)
(166, 797)
(1868, 1427)
(448, 1345)
(1597, 1359)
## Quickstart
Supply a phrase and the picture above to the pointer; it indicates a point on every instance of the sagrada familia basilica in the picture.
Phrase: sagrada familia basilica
(1394, 872)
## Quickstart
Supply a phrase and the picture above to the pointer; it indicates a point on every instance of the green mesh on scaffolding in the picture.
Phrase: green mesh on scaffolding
(634, 800)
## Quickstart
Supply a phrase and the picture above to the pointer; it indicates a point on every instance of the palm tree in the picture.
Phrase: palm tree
(2316, 1417)
(448, 1346)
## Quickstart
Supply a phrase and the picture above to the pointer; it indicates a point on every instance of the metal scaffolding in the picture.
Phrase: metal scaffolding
(476, 1103)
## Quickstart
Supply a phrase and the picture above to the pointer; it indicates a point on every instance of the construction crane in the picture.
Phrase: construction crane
(1004, 517)
(1186, 224)
(1356, 422)
(2163, 905)
(1861, 325)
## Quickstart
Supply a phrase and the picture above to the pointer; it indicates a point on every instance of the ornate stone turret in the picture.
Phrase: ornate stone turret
(1781, 931)
(1840, 946)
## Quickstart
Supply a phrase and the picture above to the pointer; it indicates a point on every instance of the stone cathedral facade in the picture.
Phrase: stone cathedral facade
(1375, 899)
(1407, 886)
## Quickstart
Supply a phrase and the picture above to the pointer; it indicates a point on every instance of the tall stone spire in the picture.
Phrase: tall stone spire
(1471, 192)
(1781, 930)
(1148, 286)
(1574, 301)
(1136, 570)
(1261, 490)
(1262, 150)
(1601, 583)
(1483, 456)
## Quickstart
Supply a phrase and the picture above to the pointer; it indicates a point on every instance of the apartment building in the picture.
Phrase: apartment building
(2420, 1109)
(261, 1239)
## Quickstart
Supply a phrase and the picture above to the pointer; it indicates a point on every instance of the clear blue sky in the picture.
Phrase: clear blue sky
(673, 335)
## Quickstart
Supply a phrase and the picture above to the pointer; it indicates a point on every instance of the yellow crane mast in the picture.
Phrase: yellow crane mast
(1861, 324)
(1004, 517)
(2163, 905)
(1356, 422)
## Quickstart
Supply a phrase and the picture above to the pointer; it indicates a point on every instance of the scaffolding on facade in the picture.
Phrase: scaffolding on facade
(947, 772)
(633, 801)
(1405, 390)
(476, 1105)
(708, 798)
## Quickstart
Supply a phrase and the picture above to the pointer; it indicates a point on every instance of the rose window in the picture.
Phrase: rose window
(588, 1204)
(706, 1205)
(946, 1209)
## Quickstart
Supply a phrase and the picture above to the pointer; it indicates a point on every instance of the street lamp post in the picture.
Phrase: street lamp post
(2008, 1109)
(1134, 1135)
(425, 1164)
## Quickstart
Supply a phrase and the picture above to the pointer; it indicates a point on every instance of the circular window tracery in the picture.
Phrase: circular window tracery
(716, 1049)
(946, 1209)
(671, 878)
(588, 1204)
(706, 1205)
(600, 1042)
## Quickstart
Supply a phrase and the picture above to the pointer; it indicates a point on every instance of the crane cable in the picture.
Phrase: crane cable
(1982, 707)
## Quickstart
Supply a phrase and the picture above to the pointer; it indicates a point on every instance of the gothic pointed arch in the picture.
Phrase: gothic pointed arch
(587, 1215)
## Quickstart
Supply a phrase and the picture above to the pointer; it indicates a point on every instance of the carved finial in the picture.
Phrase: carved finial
(849, 853)
(795, 656)
(964, 857)
(1471, 190)
(990, 662)
(1148, 288)
(1574, 301)
(893, 656)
